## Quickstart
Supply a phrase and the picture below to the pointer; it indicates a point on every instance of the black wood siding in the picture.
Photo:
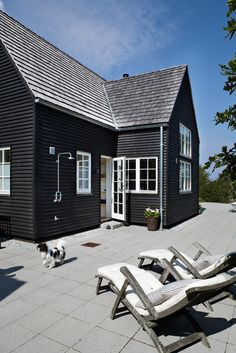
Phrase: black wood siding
(185, 205)
(17, 132)
(67, 134)
(143, 143)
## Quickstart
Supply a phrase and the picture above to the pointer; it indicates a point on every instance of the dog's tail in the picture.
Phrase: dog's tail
(61, 244)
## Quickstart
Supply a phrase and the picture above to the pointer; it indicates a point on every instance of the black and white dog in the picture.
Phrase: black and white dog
(51, 255)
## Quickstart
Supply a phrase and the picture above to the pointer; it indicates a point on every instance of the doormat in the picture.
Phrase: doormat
(90, 244)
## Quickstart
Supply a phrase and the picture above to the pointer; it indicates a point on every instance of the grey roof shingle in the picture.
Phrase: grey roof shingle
(145, 99)
(60, 80)
(53, 75)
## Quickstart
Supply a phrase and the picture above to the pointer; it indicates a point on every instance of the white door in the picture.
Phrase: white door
(118, 189)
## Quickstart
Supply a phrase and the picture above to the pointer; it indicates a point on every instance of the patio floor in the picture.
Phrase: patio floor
(56, 310)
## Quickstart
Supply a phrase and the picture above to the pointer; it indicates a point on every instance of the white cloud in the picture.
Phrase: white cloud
(105, 34)
(2, 7)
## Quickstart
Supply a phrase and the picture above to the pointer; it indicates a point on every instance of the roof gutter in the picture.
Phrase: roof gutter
(141, 127)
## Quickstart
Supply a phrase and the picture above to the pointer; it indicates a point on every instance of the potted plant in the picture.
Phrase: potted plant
(152, 217)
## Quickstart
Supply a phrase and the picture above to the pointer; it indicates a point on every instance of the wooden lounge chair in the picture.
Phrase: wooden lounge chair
(203, 265)
(149, 301)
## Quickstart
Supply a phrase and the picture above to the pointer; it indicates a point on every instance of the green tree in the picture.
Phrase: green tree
(204, 185)
(220, 190)
(227, 157)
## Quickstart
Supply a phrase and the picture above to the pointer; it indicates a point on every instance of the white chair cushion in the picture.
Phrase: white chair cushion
(166, 292)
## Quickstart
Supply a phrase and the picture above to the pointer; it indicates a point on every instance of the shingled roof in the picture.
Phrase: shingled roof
(52, 75)
(57, 79)
(145, 99)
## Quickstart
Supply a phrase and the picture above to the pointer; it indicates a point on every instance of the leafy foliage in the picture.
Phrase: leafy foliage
(227, 157)
(149, 213)
(231, 23)
(222, 189)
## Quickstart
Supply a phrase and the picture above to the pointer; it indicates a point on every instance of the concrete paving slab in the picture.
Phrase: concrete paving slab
(103, 342)
(13, 336)
(138, 347)
(65, 304)
(68, 331)
(39, 344)
(91, 313)
(39, 319)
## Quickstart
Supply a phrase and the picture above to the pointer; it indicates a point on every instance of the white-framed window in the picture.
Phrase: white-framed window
(141, 175)
(5, 166)
(185, 176)
(185, 136)
(83, 172)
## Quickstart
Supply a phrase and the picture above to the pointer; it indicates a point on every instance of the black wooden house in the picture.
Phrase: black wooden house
(76, 149)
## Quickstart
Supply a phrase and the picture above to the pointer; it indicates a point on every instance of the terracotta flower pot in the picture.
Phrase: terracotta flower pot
(152, 223)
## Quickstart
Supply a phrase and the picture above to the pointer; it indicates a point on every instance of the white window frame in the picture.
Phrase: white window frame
(137, 173)
(83, 190)
(186, 186)
(3, 177)
(185, 137)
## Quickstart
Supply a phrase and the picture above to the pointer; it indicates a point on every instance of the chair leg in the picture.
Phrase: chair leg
(197, 328)
(98, 285)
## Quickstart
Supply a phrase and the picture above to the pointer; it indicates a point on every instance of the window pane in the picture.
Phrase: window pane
(132, 174)
(6, 170)
(86, 184)
(7, 184)
(143, 174)
(132, 164)
(143, 163)
(115, 197)
(152, 174)
(79, 157)
(1, 184)
(120, 208)
(120, 198)
(152, 185)
(7, 156)
(115, 207)
(1, 169)
(143, 185)
(115, 186)
(152, 163)
(85, 174)
(132, 185)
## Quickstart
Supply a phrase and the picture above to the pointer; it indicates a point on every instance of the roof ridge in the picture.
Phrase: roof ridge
(52, 45)
(148, 73)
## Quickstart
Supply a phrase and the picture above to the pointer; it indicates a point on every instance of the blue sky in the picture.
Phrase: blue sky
(136, 36)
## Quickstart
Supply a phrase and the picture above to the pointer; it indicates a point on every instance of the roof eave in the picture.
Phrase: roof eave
(73, 113)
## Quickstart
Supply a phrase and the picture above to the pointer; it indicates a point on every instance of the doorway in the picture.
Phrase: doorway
(106, 188)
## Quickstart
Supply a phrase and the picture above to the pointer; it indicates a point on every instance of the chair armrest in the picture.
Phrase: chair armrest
(188, 265)
(139, 291)
(201, 250)
(169, 270)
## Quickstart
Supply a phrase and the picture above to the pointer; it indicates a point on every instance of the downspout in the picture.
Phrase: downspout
(161, 177)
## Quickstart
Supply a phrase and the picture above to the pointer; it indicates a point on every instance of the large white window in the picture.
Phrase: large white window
(185, 141)
(185, 177)
(141, 175)
(83, 173)
(5, 165)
